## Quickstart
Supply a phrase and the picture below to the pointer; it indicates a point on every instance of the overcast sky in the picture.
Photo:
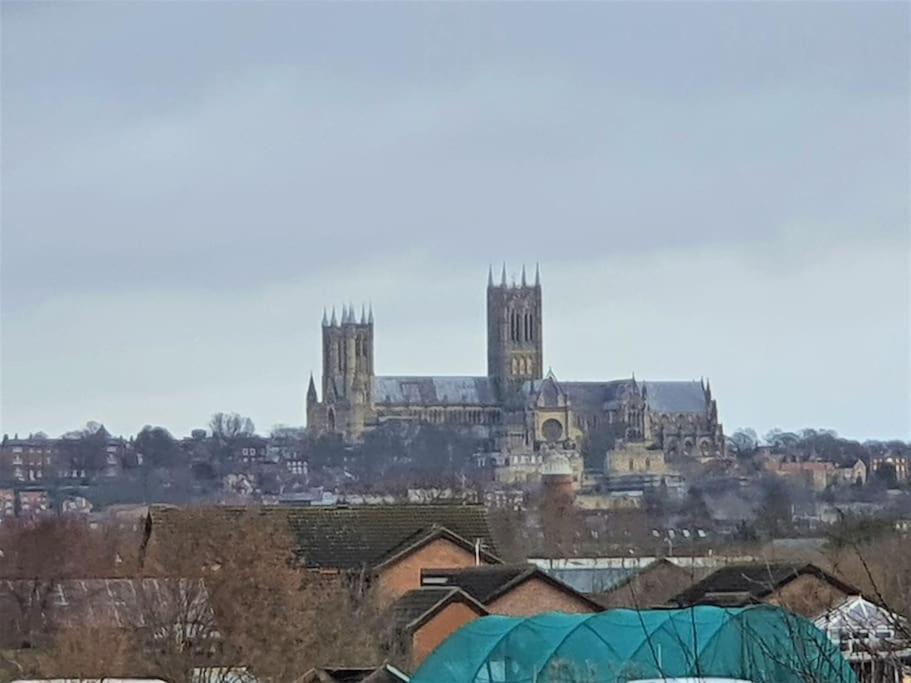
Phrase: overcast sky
(716, 190)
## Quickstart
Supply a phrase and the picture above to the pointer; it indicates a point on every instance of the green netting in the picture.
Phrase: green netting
(762, 644)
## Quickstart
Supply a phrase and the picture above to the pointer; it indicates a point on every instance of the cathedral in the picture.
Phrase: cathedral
(517, 407)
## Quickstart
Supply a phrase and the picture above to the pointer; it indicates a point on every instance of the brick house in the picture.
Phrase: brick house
(513, 590)
(802, 588)
(452, 597)
(388, 544)
(28, 460)
(427, 616)
(432, 566)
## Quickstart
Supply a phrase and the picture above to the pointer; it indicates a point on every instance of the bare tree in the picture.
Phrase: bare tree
(275, 616)
(229, 426)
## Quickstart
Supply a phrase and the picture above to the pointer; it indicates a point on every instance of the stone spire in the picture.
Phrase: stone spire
(537, 275)
(325, 318)
(334, 322)
(503, 276)
(370, 315)
(524, 283)
(363, 314)
(490, 276)
(311, 391)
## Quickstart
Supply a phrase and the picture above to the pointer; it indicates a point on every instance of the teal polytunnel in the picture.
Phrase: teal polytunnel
(761, 644)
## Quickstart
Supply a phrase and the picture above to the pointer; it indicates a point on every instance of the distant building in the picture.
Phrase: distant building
(7, 504)
(526, 467)
(516, 405)
(249, 450)
(38, 458)
(28, 460)
(634, 458)
(899, 462)
(34, 503)
(515, 499)
(75, 505)
(436, 495)
(818, 475)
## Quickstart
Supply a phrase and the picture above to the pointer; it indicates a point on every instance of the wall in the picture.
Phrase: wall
(397, 579)
(643, 459)
(442, 625)
(536, 596)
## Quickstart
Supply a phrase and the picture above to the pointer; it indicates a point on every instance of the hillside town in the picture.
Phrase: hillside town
(786, 483)
(377, 542)
(455, 342)
(421, 531)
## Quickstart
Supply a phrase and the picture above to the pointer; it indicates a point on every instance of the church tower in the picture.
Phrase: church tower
(514, 326)
(347, 372)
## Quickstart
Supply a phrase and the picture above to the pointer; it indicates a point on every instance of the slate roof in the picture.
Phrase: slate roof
(485, 583)
(482, 582)
(748, 583)
(434, 391)
(357, 536)
(675, 397)
(594, 397)
(418, 605)
(593, 579)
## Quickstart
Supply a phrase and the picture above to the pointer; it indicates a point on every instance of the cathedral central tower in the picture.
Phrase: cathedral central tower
(514, 331)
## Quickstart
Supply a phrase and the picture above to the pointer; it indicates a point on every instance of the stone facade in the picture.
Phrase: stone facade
(634, 458)
(516, 407)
